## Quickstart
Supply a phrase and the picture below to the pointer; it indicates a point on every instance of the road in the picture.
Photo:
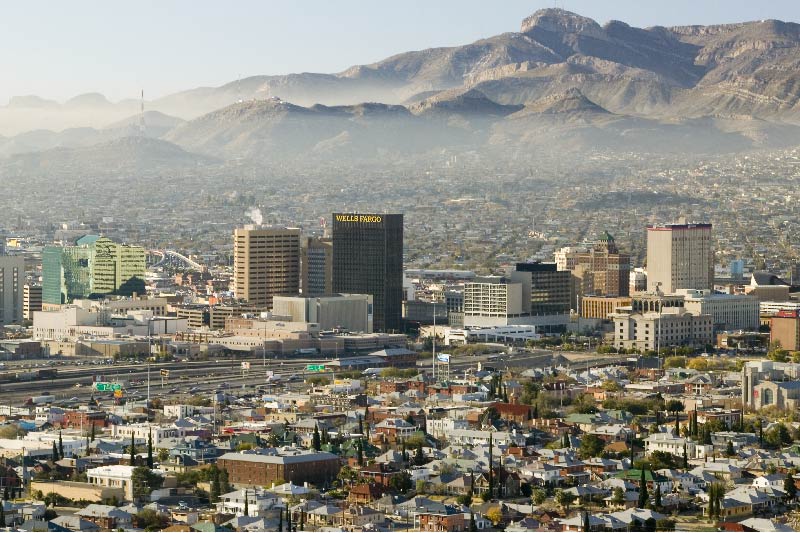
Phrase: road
(206, 376)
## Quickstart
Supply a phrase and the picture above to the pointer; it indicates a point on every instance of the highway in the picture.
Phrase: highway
(201, 377)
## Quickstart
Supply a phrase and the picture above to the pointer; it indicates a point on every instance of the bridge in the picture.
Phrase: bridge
(174, 259)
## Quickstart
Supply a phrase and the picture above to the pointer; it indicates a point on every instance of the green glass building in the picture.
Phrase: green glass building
(93, 267)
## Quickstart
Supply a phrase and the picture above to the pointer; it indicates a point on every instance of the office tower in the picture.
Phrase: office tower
(118, 268)
(368, 259)
(606, 271)
(12, 279)
(679, 256)
(316, 263)
(550, 288)
(491, 301)
(31, 300)
(266, 262)
(93, 267)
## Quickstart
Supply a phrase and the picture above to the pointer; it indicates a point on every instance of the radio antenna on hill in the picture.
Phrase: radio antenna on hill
(142, 126)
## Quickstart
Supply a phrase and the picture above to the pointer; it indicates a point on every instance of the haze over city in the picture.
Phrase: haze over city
(363, 266)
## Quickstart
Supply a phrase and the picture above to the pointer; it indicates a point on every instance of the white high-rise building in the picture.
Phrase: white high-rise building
(679, 256)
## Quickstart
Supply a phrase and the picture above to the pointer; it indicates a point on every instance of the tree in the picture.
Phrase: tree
(419, 455)
(316, 442)
(360, 425)
(472, 525)
(60, 446)
(729, 451)
(213, 478)
(618, 496)
(643, 496)
(778, 436)
(464, 499)
(591, 446)
(55, 452)
(302, 520)
(133, 452)
(246, 503)
(565, 441)
(143, 482)
(224, 486)
(495, 515)
(539, 496)
(2, 515)
(789, 487)
(685, 457)
(360, 452)
(665, 524)
(564, 499)
(587, 526)
(491, 467)
(288, 520)
(92, 436)
(280, 519)
(150, 449)
(150, 520)
(401, 482)
(657, 497)
(675, 407)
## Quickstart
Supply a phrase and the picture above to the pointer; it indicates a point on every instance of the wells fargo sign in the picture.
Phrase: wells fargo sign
(362, 219)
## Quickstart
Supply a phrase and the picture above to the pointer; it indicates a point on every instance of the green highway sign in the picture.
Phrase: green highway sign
(103, 386)
(315, 368)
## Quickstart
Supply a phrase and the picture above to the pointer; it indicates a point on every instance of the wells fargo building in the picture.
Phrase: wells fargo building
(368, 259)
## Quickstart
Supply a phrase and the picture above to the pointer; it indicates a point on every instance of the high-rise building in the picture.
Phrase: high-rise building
(31, 300)
(368, 259)
(93, 267)
(118, 268)
(679, 256)
(266, 263)
(550, 288)
(606, 270)
(12, 280)
(316, 263)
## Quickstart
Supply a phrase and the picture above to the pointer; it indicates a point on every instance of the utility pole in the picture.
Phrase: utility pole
(433, 368)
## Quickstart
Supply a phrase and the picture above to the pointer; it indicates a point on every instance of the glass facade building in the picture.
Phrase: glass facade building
(368, 259)
(91, 268)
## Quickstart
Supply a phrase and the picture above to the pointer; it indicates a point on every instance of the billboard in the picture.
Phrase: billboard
(443, 357)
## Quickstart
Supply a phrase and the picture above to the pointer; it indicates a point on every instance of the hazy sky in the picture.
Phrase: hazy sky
(58, 49)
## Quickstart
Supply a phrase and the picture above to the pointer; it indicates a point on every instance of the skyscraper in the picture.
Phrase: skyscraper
(679, 256)
(606, 269)
(93, 267)
(266, 263)
(12, 281)
(316, 263)
(368, 259)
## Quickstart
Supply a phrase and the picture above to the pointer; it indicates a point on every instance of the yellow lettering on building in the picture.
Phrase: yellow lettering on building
(362, 219)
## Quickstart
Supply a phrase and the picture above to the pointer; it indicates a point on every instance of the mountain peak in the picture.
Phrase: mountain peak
(561, 21)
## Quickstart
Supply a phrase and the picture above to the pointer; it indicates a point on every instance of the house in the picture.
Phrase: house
(775, 481)
(106, 517)
(118, 476)
(439, 517)
(365, 493)
(258, 501)
(394, 429)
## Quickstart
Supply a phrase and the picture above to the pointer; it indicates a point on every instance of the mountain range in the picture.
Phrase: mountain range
(562, 82)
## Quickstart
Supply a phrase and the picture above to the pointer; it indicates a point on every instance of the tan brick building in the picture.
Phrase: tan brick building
(266, 262)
